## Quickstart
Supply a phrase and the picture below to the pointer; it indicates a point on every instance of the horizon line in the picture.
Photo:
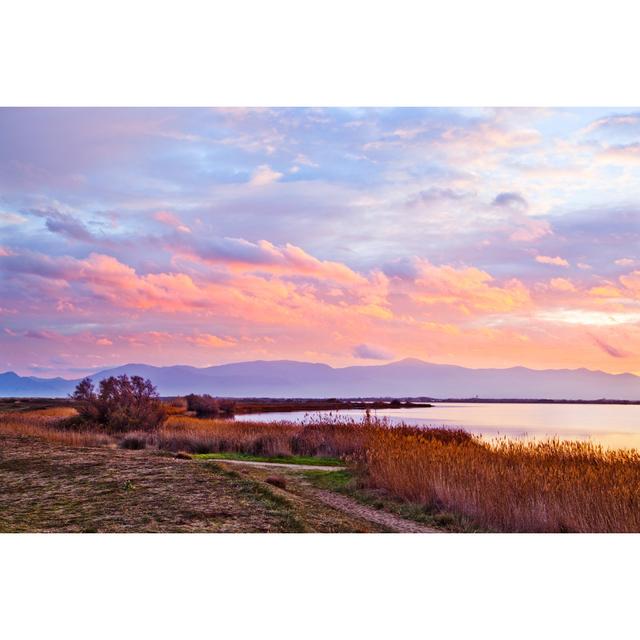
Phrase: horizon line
(445, 364)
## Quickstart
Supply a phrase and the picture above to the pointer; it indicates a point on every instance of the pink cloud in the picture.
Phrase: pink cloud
(171, 220)
(468, 289)
(209, 340)
(274, 301)
(264, 175)
(557, 261)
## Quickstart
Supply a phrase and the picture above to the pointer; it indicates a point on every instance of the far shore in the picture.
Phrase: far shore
(245, 406)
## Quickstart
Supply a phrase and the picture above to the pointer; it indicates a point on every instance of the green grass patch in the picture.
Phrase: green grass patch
(341, 480)
(307, 460)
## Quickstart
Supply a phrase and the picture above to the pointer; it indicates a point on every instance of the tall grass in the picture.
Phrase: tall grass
(42, 424)
(552, 486)
(325, 437)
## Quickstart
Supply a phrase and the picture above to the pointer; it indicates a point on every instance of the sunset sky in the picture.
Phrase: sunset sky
(479, 237)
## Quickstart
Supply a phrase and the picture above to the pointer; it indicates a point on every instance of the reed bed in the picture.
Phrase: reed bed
(322, 437)
(551, 486)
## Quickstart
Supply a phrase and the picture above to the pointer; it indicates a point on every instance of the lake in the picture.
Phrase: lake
(616, 426)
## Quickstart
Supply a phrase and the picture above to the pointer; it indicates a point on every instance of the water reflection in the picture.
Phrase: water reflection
(614, 426)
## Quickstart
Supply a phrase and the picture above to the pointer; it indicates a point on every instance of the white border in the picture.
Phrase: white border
(299, 53)
(319, 586)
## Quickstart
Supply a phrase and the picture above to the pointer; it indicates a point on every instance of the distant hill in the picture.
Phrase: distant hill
(410, 377)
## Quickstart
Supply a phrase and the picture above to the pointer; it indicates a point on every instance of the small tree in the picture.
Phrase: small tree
(121, 404)
(227, 407)
(204, 406)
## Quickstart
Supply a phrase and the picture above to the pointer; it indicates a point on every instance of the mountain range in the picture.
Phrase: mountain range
(405, 378)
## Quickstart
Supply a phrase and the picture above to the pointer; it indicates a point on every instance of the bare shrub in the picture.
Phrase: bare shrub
(121, 404)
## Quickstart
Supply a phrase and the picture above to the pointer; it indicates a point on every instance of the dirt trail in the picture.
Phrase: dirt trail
(283, 465)
(383, 518)
(349, 506)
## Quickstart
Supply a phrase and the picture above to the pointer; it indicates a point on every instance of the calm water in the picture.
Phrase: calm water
(610, 425)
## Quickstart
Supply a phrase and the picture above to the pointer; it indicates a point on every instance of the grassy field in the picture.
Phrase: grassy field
(438, 477)
(53, 487)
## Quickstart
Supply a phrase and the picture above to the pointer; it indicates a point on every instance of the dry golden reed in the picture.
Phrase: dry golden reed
(42, 424)
(552, 486)
(321, 437)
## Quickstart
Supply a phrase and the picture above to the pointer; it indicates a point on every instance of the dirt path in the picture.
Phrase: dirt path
(383, 518)
(337, 502)
(283, 465)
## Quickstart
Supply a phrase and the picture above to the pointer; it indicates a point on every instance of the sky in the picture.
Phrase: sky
(474, 236)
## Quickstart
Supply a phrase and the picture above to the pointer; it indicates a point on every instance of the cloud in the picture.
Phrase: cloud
(171, 220)
(624, 262)
(632, 282)
(368, 352)
(302, 159)
(11, 218)
(436, 194)
(529, 229)
(467, 290)
(287, 259)
(607, 348)
(561, 284)
(623, 154)
(615, 123)
(557, 261)
(510, 199)
(525, 228)
(405, 268)
(64, 224)
(209, 340)
(264, 175)
(42, 335)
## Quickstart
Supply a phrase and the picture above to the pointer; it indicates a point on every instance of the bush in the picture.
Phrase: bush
(227, 408)
(204, 406)
(121, 404)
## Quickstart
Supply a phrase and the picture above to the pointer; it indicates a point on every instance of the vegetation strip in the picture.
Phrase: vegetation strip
(289, 460)
(442, 476)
